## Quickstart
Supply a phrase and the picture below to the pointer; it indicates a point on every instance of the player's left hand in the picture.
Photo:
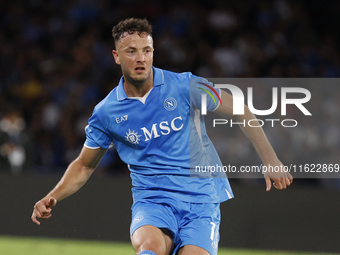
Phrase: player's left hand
(276, 172)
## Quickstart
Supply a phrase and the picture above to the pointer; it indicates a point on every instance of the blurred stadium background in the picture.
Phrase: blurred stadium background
(56, 64)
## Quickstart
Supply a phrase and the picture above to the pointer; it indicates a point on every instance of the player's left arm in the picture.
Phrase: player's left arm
(257, 136)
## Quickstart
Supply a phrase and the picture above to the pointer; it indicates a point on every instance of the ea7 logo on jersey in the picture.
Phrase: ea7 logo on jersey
(121, 119)
(163, 128)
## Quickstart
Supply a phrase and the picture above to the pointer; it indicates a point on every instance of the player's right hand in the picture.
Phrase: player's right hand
(42, 209)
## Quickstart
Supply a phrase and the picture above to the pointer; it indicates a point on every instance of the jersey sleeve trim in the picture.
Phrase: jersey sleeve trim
(92, 148)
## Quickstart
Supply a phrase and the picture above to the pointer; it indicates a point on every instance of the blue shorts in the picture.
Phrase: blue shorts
(190, 223)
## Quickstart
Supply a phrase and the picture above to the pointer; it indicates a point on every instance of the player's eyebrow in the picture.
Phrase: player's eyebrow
(130, 48)
(134, 48)
(148, 48)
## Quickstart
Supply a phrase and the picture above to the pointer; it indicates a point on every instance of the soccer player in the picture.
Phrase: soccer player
(153, 119)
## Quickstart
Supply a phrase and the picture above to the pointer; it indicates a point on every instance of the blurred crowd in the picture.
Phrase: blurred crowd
(56, 65)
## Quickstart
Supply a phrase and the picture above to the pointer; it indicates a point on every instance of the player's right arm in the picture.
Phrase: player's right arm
(75, 176)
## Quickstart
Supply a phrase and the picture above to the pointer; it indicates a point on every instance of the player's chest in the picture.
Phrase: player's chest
(160, 115)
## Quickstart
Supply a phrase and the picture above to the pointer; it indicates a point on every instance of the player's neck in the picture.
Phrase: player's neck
(135, 89)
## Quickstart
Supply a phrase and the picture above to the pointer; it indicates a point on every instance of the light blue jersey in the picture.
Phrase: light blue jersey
(159, 137)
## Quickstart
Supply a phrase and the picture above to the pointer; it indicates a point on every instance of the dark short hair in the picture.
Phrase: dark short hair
(131, 26)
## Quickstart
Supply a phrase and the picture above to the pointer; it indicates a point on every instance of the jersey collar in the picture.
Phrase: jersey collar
(158, 79)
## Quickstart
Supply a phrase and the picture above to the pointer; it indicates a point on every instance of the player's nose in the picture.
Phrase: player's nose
(140, 56)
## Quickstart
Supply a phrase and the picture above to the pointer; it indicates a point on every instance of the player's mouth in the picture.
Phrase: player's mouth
(140, 69)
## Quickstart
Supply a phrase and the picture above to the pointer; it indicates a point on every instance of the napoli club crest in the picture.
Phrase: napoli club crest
(170, 104)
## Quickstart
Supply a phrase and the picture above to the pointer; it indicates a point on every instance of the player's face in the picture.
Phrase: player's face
(135, 55)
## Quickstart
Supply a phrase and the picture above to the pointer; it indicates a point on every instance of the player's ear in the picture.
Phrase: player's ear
(116, 56)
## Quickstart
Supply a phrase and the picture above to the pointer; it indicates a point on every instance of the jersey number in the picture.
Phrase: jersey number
(212, 234)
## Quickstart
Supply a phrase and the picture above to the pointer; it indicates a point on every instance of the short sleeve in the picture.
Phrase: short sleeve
(96, 134)
(200, 86)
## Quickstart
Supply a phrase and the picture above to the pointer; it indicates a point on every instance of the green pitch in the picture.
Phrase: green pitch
(41, 246)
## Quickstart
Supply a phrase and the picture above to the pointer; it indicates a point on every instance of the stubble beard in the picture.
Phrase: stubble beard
(139, 82)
